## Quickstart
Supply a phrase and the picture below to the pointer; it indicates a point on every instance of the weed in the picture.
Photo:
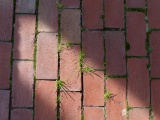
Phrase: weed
(87, 70)
(59, 47)
(107, 95)
(149, 66)
(68, 44)
(83, 28)
(60, 6)
(61, 85)
(81, 58)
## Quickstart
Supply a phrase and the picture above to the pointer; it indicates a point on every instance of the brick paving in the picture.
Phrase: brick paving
(79, 60)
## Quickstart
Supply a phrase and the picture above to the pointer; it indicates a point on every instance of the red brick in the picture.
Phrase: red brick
(6, 12)
(155, 98)
(115, 50)
(94, 86)
(138, 82)
(116, 105)
(47, 56)
(153, 13)
(70, 106)
(4, 104)
(92, 14)
(136, 33)
(114, 13)
(70, 26)
(5, 55)
(48, 16)
(22, 84)
(45, 100)
(21, 114)
(155, 54)
(93, 113)
(139, 114)
(69, 68)
(24, 37)
(135, 3)
(71, 3)
(25, 6)
(93, 49)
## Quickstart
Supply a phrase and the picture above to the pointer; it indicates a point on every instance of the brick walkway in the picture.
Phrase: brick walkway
(79, 60)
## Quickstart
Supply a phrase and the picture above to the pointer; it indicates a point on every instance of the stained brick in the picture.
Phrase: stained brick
(70, 26)
(116, 104)
(47, 56)
(5, 55)
(114, 13)
(136, 33)
(139, 114)
(138, 82)
(45, 100)
(71, 3)
(135, 3)
(24, 37)
(69, 68)
(22, 84)
(94, 89)
(115, 50)
(92, 14)
(6, 12)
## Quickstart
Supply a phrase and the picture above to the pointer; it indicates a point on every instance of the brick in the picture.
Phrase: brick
(94, 89)
(70, 26)
(139, 114)
(70, 106)
(71, 3)
(47, 16)
(153, 13)
(5, 56)
(115, 50)
(155, 54)
(45, 100)
(70, 69)
(6, 12)
(24, 35)
(92, 45)
(4, 104)
(116, 105)
(114, 18)
(138, 82)
(47, 56)
(21, 114)
(135, 3)
(25, 6)
(93, 113)
(92, 14)
(136, 33)
(155, 98)
(22, 84)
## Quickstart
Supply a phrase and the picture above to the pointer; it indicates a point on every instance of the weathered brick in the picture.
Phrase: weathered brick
(48, 16)
(24, 37)
(135, 3)
(155, 89)
(116, 104)
(45, 100)
(22, 84)
(153, 13)
(114, 13)
(139, 114)
(70, 106)
(25, 6)
(6, 12)
(92, 45)
(71, 3)
(21, 114)
(92, 14)
(47, 56)
(4, 104)
(5, 55)
(69, 68)
(93, 113)
(138, 82)
(115, 50)
(155, 54)
(136, 33)
(70, 26)
(94, 89)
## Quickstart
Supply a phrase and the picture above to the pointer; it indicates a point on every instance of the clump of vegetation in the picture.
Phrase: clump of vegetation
(107, 95)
